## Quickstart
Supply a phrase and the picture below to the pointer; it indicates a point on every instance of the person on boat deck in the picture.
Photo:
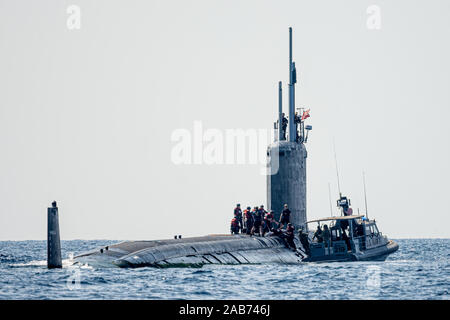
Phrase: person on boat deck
(348, 211)
(304, 241)
(356, 227)
(359, 230)
(326, 236)
(285, 216)
(234, 226)
(346, 239)
(248, 220)
(344, 225)
(238, 215)
(318, 234)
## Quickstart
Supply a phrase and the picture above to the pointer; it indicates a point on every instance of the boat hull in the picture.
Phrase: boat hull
(379, 253)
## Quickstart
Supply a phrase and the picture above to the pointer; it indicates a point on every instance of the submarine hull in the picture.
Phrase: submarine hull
(193, 252)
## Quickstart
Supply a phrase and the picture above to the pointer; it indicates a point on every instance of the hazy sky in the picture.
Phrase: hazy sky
(86, 115)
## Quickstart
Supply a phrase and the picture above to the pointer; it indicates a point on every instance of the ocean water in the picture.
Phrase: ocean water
(419, 270)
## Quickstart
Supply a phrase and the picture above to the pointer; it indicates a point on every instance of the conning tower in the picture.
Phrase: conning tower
(286, 178)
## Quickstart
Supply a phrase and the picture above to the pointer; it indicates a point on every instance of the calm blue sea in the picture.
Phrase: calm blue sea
(419, 270)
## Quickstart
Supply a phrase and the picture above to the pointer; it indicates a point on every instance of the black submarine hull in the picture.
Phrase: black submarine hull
(193, 252)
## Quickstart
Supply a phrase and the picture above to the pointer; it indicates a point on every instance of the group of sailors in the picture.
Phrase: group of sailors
(298, 120)
(258, 221)
(325, 235)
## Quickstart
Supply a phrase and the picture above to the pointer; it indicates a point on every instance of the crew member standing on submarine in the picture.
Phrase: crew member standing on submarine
(263, 213)
(285, 216)
(238, 215)
(284, 125)
(262, 210)
(297, 120)
(257, 221)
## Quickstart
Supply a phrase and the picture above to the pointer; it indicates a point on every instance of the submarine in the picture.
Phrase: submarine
(286, 184)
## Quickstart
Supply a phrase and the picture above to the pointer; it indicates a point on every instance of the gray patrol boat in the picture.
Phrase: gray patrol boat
(364, 241)
(348, 238)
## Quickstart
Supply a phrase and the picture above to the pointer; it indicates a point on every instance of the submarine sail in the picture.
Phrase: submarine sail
(286, 178)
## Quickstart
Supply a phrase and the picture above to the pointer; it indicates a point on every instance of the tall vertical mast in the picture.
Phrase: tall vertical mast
(280, 112)
(292, 81)
(365, 196)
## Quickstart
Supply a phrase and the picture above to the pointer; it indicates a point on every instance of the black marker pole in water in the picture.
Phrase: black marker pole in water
(53, 240)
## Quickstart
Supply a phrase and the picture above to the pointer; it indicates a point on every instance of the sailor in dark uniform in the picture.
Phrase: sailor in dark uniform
(304, 241)
(284, 124)
(285, 216)
(290, 236)
(318, 234)
(238, 215)
(326, 236)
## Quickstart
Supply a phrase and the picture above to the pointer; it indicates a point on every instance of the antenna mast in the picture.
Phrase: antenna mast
(329, 198)
(365, 196)
(337, 171)
(280, 112)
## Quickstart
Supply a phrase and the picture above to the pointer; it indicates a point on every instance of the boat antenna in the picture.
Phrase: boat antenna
(365, 195)
(329, 198)
(337, 170)
(280, 111)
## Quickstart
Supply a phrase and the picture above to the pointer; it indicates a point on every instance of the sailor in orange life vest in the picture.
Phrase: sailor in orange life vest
(268, 221)
(238, 215)
(234, 228)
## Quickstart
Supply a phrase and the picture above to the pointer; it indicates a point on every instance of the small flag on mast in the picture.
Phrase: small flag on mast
(305, 114)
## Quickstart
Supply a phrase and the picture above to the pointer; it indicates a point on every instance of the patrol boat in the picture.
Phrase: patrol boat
(349, 238)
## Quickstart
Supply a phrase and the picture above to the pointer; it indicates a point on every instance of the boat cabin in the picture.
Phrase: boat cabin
(338, 238)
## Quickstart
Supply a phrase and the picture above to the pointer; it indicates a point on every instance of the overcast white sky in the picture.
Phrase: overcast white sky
(86, 115)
